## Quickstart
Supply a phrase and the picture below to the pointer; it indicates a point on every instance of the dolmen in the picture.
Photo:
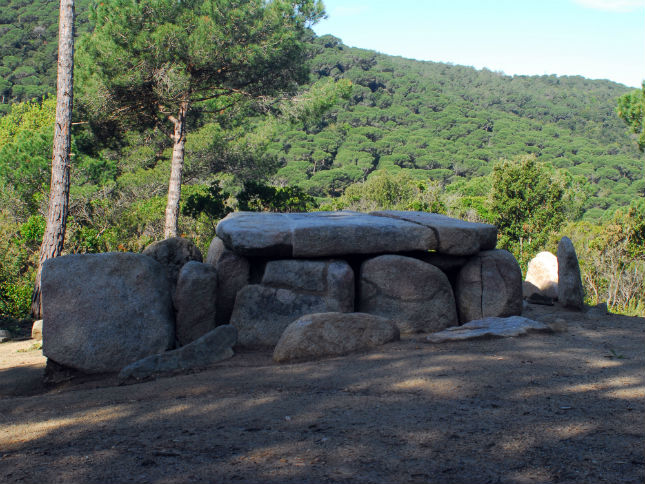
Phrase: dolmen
(343, 281)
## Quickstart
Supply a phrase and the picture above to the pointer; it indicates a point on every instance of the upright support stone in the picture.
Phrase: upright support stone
(233, 273)
(416, 295)
(570, 290)
(290, 289)
(490, 284)
(195, 301)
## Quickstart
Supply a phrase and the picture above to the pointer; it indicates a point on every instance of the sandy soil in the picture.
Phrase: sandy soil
(567, 407)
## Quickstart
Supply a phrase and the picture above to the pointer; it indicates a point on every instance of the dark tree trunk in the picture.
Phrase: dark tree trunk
(176, 167)
(54, 236)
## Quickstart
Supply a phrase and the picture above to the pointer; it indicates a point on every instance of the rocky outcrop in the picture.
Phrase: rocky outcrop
(331, 334)
(214, 346)
(195, 301)
(415, 294)
(542, 276)
(489, 285)
(290, 289)
(173, 253)
(490, 328)
(570, 290)
(104, 311)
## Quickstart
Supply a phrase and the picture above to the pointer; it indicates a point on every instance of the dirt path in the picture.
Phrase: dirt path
(566, 407)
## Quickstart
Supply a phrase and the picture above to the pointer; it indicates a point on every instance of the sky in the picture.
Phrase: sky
(597, 39)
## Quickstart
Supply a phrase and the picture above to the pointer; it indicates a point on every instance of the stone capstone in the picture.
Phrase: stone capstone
(195, 301)
(331, 334)
(542, 276)
(570, 290)
(233, 273)
(414, 294)
(214, 346)
(454, 236)
(290, 289)
(489, 285)
(173, 253)
(104, 311)
(320, 234)
(490, 328)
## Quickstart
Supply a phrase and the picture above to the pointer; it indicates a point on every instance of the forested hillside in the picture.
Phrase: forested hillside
(29, 47)
(452, 123)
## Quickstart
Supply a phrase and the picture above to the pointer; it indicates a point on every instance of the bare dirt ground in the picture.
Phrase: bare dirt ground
(567, 407)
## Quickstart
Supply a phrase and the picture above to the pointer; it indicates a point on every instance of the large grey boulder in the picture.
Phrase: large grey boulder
(542, 276)
(195, 301)
(330, 334)
(290, 289)
(233, 273)
(414, 294)
(104, 311)
(214, 346)
(454, 236)
(320, 234)
(490, 328)
(489, 285)
(173, 253)
(570, 290)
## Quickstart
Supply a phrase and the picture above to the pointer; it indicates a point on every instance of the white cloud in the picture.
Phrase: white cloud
(612, 5)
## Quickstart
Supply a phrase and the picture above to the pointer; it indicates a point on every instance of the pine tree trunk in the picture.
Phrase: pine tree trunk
(176, 167)
(54, 236)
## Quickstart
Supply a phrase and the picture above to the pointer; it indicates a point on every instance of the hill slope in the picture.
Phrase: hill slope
(453, 123)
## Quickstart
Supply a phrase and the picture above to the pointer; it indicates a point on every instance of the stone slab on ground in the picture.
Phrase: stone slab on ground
(490, 328)
(331, 334)
(454, 236)
(104, 311)
(320, 234)
(214, 346)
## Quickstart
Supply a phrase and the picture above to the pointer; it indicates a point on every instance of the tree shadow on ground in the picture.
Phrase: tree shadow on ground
(565, 407)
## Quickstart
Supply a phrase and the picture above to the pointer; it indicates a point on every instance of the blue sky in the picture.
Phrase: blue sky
(598, 39)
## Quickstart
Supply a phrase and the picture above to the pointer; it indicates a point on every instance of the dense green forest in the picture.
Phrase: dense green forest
(539, 156)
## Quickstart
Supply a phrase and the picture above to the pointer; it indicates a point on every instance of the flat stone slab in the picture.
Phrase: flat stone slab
(454, 236)
(490, 328)
(321, 234)
(214, 346)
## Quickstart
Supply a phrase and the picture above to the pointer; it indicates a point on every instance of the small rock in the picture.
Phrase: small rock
(538, 298)
(489, 328)
(37, 330)
(5, 335)
(214, 346)
(330, 334)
